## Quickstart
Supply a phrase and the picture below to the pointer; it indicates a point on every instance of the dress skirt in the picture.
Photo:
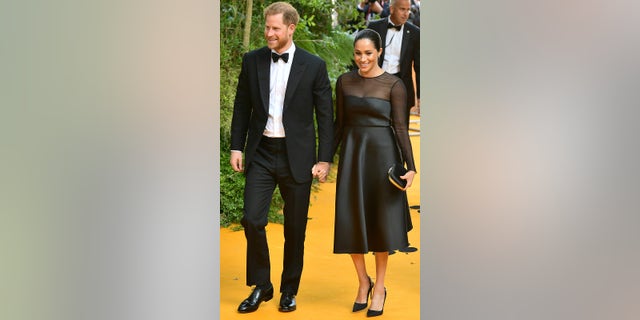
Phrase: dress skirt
(372, 215)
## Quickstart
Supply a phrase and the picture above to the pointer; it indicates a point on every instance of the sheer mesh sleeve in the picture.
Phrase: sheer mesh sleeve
(400, 122)
(338, 122)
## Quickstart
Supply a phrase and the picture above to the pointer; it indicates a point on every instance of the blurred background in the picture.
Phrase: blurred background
(111, 165)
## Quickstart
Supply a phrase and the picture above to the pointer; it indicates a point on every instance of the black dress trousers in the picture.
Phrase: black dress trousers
(270, 168)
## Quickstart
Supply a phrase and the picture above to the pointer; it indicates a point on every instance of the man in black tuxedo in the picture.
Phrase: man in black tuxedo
(401, 53)
(280, 88)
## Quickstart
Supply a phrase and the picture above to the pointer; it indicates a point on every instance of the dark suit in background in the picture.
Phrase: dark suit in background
(285, 162)
(409, 55)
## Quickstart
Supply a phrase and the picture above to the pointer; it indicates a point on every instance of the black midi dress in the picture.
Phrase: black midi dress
(371, 126)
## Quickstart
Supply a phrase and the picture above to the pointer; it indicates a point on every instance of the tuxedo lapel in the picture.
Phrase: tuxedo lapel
(383, 38)
(298, 66)
(264, 70)
(406, 37)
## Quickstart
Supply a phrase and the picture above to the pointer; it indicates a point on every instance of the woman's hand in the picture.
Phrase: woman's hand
(409, 177)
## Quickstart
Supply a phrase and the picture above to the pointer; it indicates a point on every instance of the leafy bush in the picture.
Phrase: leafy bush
(231, 196)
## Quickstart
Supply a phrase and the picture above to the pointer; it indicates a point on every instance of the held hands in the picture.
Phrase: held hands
(320, 170)
(409, 177)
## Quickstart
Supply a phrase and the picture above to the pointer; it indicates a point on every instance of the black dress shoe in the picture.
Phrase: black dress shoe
(258, 295)
(361, 306)
(287, 302)
(375, 313)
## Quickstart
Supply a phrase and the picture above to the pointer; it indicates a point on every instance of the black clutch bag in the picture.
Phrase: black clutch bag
(394, 174)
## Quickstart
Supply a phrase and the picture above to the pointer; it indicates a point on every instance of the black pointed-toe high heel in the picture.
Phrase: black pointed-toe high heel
(361, 306)
(375, 313)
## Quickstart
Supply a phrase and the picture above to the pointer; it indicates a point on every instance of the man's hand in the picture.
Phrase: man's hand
(320, 170)
(236, 161)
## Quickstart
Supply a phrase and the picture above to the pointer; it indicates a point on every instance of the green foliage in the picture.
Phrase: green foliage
(314, 33)
(335, 49)
(316, 14)
(231, 190)
(349, 18)
(231, 196)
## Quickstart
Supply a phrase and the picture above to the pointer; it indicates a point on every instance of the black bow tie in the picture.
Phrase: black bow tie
(284, 57)
(394, 27)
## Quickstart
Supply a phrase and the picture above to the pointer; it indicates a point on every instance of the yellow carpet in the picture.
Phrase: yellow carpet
(329, 284)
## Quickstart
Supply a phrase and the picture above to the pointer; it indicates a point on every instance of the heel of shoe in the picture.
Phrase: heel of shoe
(375, 313)
(361, 306)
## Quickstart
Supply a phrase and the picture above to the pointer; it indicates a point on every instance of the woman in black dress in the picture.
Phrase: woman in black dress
(372, 215)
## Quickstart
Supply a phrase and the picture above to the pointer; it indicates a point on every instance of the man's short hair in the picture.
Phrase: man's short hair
(289, 13)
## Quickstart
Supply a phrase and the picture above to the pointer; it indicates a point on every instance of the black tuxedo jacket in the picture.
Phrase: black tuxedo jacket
(409, 55)
(308, 92)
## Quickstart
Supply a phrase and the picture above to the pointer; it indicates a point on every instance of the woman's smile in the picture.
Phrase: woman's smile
(366, 57)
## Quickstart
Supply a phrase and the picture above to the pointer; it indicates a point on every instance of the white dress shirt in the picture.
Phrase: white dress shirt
(279, 76)
(392, 47)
